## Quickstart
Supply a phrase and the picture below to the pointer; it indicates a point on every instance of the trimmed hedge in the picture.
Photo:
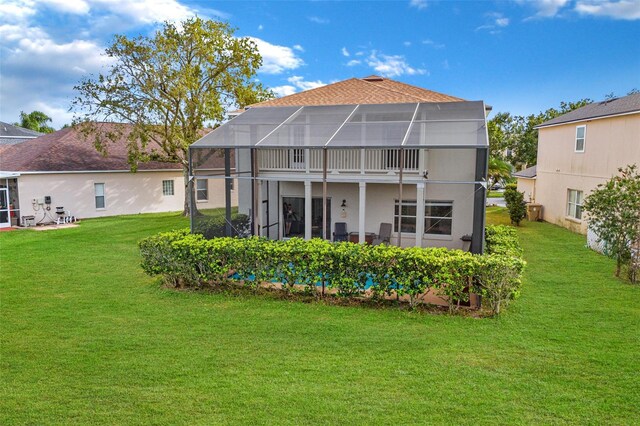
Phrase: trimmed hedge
(353, 270)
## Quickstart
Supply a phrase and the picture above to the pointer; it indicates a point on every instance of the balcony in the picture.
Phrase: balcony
(350, 161)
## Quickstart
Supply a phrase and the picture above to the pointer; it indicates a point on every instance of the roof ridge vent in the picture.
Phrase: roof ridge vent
(373, 78)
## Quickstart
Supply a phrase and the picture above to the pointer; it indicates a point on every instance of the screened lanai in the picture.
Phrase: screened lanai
(322, 158)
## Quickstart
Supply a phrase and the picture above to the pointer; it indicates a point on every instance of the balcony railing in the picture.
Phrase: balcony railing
(338, 160)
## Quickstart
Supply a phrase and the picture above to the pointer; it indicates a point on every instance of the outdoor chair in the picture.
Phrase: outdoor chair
(340, 232)
(384, 236)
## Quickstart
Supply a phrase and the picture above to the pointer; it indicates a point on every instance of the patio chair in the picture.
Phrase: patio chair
(384, 236)
(340, 232)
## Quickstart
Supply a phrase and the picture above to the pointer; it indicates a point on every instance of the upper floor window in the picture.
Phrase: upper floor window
(580, 136)
(202, 190)
(574, 204)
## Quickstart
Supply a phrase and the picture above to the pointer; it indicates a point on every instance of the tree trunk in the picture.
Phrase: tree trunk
(189, 190)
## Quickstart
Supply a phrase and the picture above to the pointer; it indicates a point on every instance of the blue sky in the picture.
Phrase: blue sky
(518, 56)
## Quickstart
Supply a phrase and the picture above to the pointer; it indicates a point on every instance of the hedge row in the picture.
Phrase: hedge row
(190, 260)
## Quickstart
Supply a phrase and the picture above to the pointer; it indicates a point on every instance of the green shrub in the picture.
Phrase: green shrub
(498, 280)
(190, 260)
(214, 226)
(515, 204)
(502, 240)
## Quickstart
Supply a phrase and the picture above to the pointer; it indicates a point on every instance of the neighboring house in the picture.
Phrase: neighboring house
(357, 154)
(581, 149)
(527, 183)
(10, 134)
(62, 169)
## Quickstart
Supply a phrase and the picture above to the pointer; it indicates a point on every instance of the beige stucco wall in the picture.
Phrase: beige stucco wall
(125, 193)
(610, 143)
(528, 188)
(380, 205)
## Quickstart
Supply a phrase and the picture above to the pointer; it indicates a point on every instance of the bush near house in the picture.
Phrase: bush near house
(515, 203)
(190, 260)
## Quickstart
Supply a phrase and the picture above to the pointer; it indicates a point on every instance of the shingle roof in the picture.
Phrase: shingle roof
(67, 150)
(528, 173)
(368, 90)
(626, 104)
(10, 134)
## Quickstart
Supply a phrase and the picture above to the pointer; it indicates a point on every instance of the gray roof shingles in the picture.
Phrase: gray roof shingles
(626, 104)
(10, 134)
(528, 173)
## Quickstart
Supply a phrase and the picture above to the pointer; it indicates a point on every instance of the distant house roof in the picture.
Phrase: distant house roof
(10, 134)
(528, 173)
(354, 91)
(615, 106)
(67, 150)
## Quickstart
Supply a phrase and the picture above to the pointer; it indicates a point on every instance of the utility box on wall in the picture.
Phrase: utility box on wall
(534, 212)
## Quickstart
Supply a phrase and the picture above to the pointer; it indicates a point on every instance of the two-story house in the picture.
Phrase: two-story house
(349, 157)
(579, 150)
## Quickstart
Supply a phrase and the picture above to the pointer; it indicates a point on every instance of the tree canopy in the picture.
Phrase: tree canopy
(167, 87)
(36, 121)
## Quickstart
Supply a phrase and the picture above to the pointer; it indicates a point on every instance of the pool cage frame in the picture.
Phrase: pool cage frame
(258, 130)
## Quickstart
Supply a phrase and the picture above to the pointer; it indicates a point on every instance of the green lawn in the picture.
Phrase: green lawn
(495, 194)
(87, 338)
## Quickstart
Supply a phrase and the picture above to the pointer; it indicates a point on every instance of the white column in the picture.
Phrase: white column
(361, 211)
(260, 215)
(307, 209)
(419, 213)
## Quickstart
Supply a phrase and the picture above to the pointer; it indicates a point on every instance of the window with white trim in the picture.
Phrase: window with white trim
(99, 195)
(438, 217)
(574, 203)
(202, 189)
(407, 217)
(167, 187)
(580, 138)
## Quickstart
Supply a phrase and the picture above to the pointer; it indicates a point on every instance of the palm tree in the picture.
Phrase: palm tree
(498, 170)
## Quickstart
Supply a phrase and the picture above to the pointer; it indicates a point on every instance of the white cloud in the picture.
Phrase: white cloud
(75, 7)
(298, 48)
(392, 65)
(345, 52)
(301, 84)
(433, 44)
(17, 10)
(285, 90)
(445, 64)
(318, 20)
(354, 62)
(497, 20)
(623, 9)
(296, 83)
(418, 4)
(407, 43)
(260, 27)
(546, 8)
(39, 73)
(276, 59)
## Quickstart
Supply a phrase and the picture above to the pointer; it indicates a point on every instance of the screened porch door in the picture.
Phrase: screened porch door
(5, 220)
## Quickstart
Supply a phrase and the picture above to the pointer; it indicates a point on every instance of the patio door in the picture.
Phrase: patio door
(5, 219)
(316, 218)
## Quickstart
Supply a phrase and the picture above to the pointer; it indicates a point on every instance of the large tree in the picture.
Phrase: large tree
(167, 87)
(35, 120)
